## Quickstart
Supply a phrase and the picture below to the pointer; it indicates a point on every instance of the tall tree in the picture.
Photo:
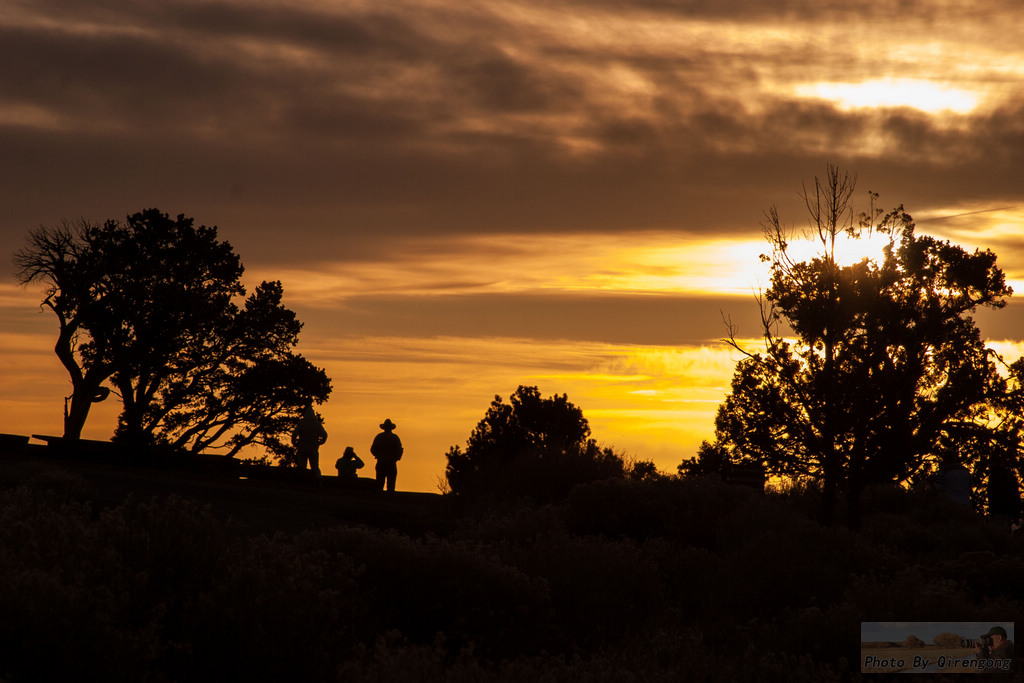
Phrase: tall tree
(60, 258)
(149, 305)
(884, 367)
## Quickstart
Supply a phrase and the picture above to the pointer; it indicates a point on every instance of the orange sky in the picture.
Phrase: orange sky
(464, 197)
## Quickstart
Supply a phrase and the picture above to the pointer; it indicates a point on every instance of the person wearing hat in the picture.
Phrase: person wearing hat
(994, 645)
(348, 463)
(307, 438)
(387, 448)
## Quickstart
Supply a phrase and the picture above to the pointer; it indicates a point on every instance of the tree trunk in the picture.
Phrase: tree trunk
(75, 415)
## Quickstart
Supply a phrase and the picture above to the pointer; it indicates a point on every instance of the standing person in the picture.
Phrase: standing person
(307, 438)
(387, 448)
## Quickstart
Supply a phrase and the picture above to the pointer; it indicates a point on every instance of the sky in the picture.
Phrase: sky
(463, 197)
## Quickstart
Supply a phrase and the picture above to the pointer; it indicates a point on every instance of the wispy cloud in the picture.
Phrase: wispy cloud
(646, 263)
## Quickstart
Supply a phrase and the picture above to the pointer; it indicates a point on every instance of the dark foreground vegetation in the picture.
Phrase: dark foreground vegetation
(623, 580)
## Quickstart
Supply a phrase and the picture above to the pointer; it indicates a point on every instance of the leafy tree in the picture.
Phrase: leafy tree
(149, 305)
(885, 367)
(717, 460)
(644, 470)
(913, 642)
(60, 258)
(712, 458)
(533, 447)
(947, 640)
(242, 385)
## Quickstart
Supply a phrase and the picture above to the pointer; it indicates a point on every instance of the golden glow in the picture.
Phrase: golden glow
(982, 227)
(848, 250)
(644, 263)
(648, 402)
(1009, 349)
(648, 263)
(654, 403)
(926, 96)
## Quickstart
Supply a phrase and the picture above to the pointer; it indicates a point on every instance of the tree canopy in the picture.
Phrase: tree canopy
(148, 305)
(870, 371)
(531, 447)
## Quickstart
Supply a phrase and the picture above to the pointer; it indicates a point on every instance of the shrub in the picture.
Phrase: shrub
(913, 642)
(531, 447)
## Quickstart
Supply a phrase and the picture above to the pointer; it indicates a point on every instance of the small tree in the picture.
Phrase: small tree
(947, 640)
(913, 642)
(532, 446)
(712, 458)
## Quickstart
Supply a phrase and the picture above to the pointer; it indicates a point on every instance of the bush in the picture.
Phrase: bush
(532, 447)
(621, 581)
(913, 642)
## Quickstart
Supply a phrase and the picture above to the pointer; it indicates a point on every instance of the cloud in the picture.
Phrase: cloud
(357, 121)
(640, 263)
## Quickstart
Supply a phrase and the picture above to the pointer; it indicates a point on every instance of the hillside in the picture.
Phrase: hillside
(115, 573)
(289, 503)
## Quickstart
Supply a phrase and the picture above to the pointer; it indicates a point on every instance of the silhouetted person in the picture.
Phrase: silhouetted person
(307, 438)
(387, 448)
(1003, 495)
(348, 463)
(954, 480)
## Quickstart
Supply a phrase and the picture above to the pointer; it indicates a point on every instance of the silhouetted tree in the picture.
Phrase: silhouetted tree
(148, 304)
(242, 386)
(712, 458)
(644, 470)
(62, 259)
(947, 640)
(885, 366)
(532, 446)
(913, 642)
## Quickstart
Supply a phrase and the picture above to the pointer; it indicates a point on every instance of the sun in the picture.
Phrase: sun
(848, 250)
(924, 95)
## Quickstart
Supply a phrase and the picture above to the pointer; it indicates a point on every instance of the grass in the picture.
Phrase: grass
(113, 575)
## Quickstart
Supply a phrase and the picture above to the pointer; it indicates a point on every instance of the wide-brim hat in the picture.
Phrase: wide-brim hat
(387, 425)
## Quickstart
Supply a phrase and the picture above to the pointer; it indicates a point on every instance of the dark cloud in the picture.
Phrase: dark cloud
(499, 84)
(364, 125)
(650, 320)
